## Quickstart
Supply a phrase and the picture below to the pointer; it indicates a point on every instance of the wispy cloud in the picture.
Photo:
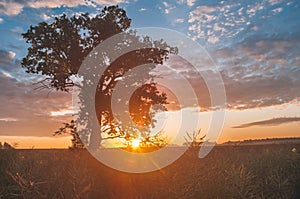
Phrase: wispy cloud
(6, 57)
(1, 20)
(168, 7)
(227, 19)
(142, 9)
(178, 20)
(258, 60)
(12, 7)
(45, 17)
(260, 72)
(33, 108)
(62, 112)
(187, 2)
(270, 122)
(15, 7)
(253, 76)
(8, 119)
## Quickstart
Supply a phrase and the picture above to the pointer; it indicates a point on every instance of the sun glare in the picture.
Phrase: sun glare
(135, 143)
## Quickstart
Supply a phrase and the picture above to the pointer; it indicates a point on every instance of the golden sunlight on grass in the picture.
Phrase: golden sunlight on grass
(135, 143)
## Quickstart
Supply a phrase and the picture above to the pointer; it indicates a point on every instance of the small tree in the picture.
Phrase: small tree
(70, 128)
(194, 140)
(7, 146)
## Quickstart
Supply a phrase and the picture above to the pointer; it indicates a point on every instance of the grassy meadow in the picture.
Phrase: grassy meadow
(260, 171)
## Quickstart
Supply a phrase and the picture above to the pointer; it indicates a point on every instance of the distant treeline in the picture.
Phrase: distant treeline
(265, 141)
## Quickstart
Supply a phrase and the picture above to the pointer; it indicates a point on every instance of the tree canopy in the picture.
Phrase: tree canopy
(58, 48)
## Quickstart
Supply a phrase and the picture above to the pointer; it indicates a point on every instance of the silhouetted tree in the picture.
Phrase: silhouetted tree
(7, 146)
(194, 139)
(70, 128)
(58, 49)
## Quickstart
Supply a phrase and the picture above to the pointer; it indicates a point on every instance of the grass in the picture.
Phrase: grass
(271, 171)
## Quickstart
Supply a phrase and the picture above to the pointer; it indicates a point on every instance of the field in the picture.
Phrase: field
(261, 171)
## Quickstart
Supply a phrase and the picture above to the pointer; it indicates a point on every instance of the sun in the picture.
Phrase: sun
(135, 143)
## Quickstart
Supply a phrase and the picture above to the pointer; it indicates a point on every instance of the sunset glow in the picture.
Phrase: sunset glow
(149, 99)
(135, 143)
(254, 44)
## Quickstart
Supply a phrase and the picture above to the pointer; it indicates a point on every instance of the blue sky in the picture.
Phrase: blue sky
(255, 44)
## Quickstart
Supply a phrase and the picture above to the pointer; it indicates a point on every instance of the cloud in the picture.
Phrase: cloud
(11, 67)
(11, 7)
(257, 91)
(25, 111)
(232, 18)
(187, 2)
(260, 72)
(6, 57)
(18, 30)
(178, 20)
(202, 10)
(274, 2)
(168, 7)
(202, 21)
(270, 122)
(55, 3)
(62, 112)
(8, 119)
(45, 17)
(142, 9)
(190, 2)
(6, 74)
(166, 4)
(257, 72)
(15, 7)
(1, 20)
(213, 39)
(277, 10)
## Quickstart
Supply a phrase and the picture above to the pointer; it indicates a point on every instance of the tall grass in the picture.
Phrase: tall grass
(271, 171)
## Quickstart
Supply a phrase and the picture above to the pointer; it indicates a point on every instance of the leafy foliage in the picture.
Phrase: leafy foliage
(58, 49)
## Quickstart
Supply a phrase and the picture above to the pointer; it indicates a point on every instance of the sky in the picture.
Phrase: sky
(255, 45)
